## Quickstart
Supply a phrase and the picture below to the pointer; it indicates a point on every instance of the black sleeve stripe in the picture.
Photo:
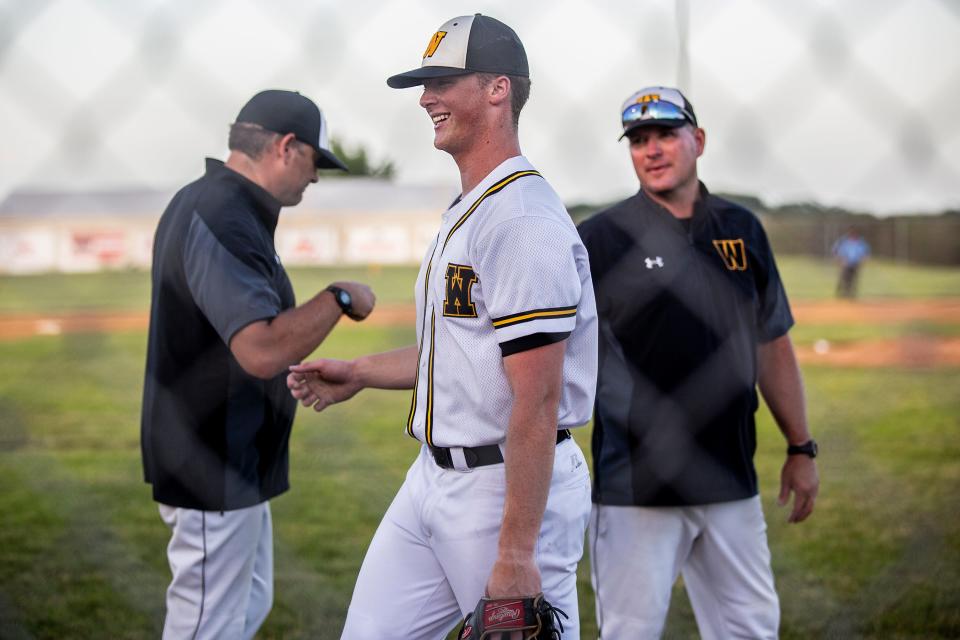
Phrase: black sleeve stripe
(532, 341)
(533, 314)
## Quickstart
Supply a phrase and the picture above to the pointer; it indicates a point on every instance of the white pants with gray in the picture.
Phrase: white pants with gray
(222, 565)
(721, 549)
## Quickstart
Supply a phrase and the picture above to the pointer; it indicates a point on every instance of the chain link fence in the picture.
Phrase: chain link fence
(848, 104)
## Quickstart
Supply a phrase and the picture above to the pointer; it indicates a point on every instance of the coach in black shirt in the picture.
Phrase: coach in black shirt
(223, 329)
(693, 317)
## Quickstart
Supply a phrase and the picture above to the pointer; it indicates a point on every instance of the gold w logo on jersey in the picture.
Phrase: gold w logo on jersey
(434, 43)
(457, 302)
(733, 252)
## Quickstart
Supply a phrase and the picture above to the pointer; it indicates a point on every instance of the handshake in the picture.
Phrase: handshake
(320, 383)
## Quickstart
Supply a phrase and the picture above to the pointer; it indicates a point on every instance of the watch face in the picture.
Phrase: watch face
(344, 298)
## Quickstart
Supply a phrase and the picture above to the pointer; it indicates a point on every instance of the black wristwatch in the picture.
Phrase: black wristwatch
(808, 448)
(344, 299)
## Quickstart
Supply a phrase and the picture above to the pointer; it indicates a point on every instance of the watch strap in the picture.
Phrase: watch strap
(347, 308)
(808, 448)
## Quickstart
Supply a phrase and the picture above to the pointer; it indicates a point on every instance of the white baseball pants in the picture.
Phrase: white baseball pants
(222, 565)
(429, 561)
(721, 549)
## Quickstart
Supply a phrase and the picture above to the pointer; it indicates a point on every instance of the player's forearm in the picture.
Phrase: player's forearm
(529, 455)
(536, 378)
(395, 369)
(266, 348)
(781, 384)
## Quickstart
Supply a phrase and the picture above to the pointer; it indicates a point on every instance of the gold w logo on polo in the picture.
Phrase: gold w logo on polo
(434, 43)
(457, 302)
(733, 252)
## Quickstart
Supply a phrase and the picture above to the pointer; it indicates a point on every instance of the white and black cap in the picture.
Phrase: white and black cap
(656, 107)
(468, 44)
(286, 112)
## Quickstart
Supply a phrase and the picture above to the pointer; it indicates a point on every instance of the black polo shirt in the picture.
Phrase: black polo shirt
(212, 436)
(682, 306)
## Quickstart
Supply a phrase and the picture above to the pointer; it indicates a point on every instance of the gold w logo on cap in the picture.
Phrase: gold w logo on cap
(434, 43)
(733, 252)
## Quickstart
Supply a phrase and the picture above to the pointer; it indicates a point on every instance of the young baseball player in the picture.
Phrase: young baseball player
(693, 317)
(497, 500)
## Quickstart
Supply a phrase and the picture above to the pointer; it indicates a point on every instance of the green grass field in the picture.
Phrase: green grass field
(130, 290)
(805, 279)
(82, 548)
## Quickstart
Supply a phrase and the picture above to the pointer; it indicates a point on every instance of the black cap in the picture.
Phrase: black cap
(468, 44)
(286, 112)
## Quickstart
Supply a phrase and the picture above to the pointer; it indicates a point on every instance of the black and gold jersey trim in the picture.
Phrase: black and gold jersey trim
(526, 343)
(416, 384)
(413, 400)
(428, 423)
(489, 192)
(533, 314)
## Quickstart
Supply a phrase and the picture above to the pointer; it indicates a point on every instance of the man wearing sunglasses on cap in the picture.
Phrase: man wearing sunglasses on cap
(693, 317)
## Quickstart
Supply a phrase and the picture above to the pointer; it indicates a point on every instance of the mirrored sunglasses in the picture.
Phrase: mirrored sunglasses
(655, 110)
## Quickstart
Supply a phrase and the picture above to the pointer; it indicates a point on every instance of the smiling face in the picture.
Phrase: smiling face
(457, 107)
(665, 158)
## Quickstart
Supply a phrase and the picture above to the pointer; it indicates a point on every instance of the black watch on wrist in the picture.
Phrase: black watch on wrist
(808, 448)
(344, 300)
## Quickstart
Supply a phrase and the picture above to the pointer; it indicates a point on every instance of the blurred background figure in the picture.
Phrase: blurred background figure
(850, 251)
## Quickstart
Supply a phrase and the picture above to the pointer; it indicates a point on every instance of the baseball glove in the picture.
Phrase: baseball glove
(496, 619)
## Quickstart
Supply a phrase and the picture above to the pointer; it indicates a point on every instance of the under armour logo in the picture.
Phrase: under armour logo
(655, 261)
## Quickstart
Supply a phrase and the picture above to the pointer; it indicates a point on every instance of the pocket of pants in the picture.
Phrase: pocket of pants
(570, 467)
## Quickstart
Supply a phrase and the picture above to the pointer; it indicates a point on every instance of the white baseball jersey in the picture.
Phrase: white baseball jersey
(507, 272)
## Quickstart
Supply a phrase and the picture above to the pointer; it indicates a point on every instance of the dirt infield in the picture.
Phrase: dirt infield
(13, 327)
(911, 351)
(877, 311)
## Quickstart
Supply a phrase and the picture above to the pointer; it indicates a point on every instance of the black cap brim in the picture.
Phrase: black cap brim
(326, 160)
(417, 76)
(670, 124)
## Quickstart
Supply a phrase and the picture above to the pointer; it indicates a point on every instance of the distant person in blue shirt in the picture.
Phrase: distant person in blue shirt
(850, 250)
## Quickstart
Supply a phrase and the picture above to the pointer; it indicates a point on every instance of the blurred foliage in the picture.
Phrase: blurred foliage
(358, 163)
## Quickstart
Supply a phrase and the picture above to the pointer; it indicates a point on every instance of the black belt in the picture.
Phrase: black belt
(479, 456)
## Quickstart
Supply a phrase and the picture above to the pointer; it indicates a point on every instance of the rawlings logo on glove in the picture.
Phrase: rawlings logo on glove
(497, 618)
